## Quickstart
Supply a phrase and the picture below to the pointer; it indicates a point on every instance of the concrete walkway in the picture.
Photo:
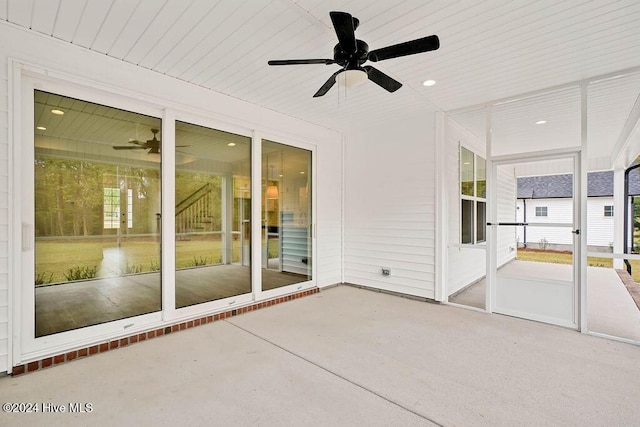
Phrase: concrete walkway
(346, 357)
(610, 308)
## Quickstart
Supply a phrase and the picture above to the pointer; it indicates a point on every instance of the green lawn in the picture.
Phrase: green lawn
(566, 258)
(55, 258)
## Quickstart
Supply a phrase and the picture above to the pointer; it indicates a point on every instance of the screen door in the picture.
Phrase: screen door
(536, 240)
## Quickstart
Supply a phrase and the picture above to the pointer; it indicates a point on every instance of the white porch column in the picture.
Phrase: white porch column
(618, 216)
(442, 210)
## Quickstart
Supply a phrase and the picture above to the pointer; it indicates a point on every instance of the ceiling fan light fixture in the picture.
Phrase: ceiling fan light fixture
(352, 78)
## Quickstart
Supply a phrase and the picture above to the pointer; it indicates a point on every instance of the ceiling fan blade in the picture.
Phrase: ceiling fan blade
(381, 79)
(125, 147)
(301, 61)
(412, 47)
(327, 85)
(345, 28)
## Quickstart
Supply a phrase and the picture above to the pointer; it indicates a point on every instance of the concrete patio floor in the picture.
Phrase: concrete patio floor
(610, 308)
(347, 356)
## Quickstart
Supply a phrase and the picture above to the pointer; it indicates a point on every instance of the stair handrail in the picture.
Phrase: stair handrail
(193, 198)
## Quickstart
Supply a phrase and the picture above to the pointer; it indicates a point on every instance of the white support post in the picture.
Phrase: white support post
(168, 216)
(492, 217)
(582, 224)
(256, 215)
(442, 210)
(618, 216)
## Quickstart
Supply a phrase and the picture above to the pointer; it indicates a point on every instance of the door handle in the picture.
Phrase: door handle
(576, 231)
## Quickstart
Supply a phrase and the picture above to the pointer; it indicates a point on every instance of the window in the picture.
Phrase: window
(473, 193)
(608, 210)
(111, 208)
(541, 211)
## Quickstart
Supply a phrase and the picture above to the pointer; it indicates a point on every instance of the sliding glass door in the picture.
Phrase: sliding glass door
(96, 214)
(286, 215)
(113, 247)
(212, 214)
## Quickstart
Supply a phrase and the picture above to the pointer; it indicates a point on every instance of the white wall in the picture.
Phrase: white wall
(600, 228)
(507, 189)
(390, 206)
(4, 209)
(122, 78)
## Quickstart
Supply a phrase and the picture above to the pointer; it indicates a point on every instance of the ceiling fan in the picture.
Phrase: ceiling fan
(350, 53)
(153, 144)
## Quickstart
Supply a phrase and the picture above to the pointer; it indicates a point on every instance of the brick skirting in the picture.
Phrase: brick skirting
(124, 342)
(632, 287)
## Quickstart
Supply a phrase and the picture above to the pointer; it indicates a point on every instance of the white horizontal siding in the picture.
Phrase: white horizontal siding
(329, 258)
(558, 211)
(507, 191)
(600, 228)
(4, 216)
(390, 207)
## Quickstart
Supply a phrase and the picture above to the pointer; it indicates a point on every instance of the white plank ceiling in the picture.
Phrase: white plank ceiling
(491, 49)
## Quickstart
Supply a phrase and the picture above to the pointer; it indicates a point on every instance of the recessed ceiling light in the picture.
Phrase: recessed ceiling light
(57, 112)
(280, 175)
(231, 144)
(41, 128)
(541, 122)
(428, 83)
(301, 172)
(466, 163)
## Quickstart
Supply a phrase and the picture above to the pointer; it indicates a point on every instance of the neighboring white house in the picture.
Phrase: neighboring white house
(547, 199)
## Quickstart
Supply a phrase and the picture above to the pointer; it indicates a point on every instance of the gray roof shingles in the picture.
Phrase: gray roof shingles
(599, 184)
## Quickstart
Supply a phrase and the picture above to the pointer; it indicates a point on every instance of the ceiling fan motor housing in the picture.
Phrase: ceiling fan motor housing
(354, 60)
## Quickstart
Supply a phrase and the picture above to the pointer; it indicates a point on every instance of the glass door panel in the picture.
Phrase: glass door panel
(213, 200)
(286, 215)
(97, 214)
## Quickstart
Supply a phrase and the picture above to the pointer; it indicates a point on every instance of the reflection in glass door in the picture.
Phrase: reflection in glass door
(96, 214)
(213, 200)
(286, 215)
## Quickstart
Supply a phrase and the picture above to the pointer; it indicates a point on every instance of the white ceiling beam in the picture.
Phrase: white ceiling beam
(577, 83)
(627, 146)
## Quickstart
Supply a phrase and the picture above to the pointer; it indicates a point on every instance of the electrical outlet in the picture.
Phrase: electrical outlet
(386, 271)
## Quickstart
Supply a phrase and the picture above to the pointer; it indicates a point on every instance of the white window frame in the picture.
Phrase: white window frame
(30, 347)
(539, 212)
(474, 198)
